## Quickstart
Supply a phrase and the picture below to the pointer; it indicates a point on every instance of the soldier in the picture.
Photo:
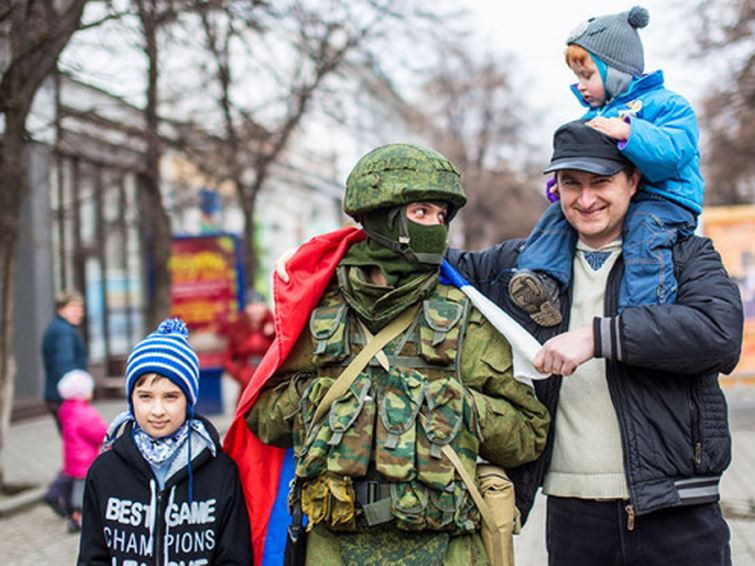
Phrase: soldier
(374, 483)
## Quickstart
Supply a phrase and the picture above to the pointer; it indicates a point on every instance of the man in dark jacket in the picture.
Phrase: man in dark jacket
(62, 346)
(63, 350)
(640, 436)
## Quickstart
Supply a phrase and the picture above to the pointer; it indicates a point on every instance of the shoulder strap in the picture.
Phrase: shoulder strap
(373, 346)
(485, 512)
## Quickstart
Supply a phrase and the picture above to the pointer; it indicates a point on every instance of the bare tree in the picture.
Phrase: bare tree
(35, 33)
(726, 34)
(472, 115)
(152, 15)
(322, 39)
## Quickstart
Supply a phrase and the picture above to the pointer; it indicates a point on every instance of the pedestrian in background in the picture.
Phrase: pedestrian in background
(249, 338)
(83, 433)
(63, 350)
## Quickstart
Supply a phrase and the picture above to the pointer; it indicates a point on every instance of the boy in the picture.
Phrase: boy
(657, 131)
(162, 491)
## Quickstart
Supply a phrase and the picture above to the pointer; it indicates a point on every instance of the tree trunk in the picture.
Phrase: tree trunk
(157, 221)
(13, 189)
(250, 253)
(35, 34)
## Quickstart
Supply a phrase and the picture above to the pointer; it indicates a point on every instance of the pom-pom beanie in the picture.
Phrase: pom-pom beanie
(76, 384)
(614, 39)
(166, 352)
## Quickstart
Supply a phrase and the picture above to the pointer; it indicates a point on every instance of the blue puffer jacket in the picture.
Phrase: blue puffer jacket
(662, 364)
(663, 141)
(62, 350)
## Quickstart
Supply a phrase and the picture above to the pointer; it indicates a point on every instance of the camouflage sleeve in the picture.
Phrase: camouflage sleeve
(271, 416)
(513, 423)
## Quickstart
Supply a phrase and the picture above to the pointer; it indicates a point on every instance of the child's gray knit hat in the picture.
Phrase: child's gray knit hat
(614, 39)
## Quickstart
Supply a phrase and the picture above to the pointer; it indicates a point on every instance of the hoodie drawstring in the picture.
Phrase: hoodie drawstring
(188, 463)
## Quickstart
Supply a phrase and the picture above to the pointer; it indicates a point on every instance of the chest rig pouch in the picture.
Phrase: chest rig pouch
(376, 422)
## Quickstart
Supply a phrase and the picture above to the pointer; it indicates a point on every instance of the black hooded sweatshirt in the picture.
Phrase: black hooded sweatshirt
(121, 492)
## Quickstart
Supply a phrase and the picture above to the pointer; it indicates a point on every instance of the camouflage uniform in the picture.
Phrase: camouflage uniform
(375, 486)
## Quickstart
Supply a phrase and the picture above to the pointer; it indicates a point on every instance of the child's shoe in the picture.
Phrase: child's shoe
(537, 294)
(57, 504)
(74, 522)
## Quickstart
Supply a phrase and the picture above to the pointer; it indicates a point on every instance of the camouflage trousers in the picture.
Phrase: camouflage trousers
(386, 544)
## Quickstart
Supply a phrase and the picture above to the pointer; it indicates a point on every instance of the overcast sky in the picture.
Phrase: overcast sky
(534, 31)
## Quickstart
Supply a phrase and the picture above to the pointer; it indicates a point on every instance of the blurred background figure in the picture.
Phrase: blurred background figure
(248, 339)
(83, 430)
(63, 350)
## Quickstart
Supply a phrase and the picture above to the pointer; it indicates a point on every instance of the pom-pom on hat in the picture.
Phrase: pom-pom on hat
(76, 384)
(166, 352)
(614, 39)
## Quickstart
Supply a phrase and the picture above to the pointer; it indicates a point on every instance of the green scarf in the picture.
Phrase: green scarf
(378, 305)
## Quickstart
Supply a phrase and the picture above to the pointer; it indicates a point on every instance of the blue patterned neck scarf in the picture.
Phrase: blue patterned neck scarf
(596, 259)
(158, 450)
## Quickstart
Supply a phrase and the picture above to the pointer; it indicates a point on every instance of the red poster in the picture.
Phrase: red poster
(206, 278)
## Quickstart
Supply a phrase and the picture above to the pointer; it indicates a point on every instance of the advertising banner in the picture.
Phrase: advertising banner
(732, 229)
(206, 290)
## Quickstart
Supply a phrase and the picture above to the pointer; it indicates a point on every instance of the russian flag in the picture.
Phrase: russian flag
(266, 471)
(524, 346)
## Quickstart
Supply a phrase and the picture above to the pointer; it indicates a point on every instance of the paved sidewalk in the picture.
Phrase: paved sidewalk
(36, 536)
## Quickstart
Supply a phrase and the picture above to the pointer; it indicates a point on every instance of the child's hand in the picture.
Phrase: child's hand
(551, 190)
(615, 128)
(280, 264)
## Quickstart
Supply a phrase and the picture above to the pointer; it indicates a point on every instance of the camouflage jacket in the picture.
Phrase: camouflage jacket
(451, 366)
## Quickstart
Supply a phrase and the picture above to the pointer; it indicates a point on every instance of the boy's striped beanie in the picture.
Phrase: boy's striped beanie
(166, 352)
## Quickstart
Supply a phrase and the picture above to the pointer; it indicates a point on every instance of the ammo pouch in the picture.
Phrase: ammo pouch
(498, 493)
(500, 518)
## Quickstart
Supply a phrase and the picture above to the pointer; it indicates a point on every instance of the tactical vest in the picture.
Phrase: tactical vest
(375, 429)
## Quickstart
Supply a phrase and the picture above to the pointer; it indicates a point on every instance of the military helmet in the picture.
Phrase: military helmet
(397, 174)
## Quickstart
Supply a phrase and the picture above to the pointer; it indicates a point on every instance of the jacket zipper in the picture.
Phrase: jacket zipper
(630, 516)
(158, 530)
(610, 308)
(614, 386)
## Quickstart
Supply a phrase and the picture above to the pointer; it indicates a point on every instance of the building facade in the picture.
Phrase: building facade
(82, 227)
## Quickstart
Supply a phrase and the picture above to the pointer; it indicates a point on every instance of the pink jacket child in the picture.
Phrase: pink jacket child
(83, 427)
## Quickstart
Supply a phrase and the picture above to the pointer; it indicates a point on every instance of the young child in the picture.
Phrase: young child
(162, 492)
(83, 431)
(656, 130)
